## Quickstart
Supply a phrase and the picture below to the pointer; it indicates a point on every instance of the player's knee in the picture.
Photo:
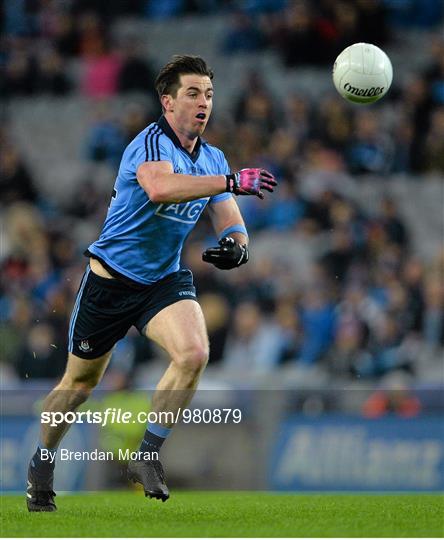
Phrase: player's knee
(193, 359)
(80, 387)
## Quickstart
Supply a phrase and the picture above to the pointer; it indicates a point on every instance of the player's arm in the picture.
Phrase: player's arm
(229, 226)
(227, 220)
(163, 185)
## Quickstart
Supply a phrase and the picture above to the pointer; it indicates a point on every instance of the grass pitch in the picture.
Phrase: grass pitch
(244, 514)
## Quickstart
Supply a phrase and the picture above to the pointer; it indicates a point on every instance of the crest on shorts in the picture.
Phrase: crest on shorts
(84, 346)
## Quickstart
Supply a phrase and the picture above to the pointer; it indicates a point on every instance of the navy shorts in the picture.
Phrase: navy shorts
(105, 309)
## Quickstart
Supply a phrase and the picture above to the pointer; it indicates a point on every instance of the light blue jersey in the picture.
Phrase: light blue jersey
(142, 240)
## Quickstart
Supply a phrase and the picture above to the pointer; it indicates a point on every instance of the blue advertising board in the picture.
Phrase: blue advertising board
(18, 439)
(337, 452)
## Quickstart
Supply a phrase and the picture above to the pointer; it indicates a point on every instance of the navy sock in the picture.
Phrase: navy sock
(154, 437)
(41, 460)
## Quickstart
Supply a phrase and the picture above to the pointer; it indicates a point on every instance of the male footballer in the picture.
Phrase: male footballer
(166, 178)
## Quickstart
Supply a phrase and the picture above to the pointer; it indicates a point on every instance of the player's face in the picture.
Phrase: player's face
(191, 108)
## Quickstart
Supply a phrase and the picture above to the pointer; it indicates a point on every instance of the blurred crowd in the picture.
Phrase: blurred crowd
(59, 47)
(330, 284)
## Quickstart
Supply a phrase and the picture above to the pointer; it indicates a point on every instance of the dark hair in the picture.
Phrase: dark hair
(168, 80)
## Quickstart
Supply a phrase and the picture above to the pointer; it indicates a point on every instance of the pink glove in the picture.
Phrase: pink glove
(250, 182)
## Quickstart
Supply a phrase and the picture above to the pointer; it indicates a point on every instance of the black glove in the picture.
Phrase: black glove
(229, 254)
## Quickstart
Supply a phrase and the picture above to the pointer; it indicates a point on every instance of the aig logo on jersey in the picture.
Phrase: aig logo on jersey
(183, 212)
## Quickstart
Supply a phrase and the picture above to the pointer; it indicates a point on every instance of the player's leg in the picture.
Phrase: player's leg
(103, 312)
(179, 329)
(80, 378)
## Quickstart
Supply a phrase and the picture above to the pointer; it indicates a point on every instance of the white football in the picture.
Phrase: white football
(362, 73)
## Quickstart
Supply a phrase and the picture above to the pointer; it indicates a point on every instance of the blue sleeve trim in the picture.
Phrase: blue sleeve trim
(220, 198)
(234, 228)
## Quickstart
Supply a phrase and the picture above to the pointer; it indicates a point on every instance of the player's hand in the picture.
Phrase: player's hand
(250, 182)
(229, 254)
